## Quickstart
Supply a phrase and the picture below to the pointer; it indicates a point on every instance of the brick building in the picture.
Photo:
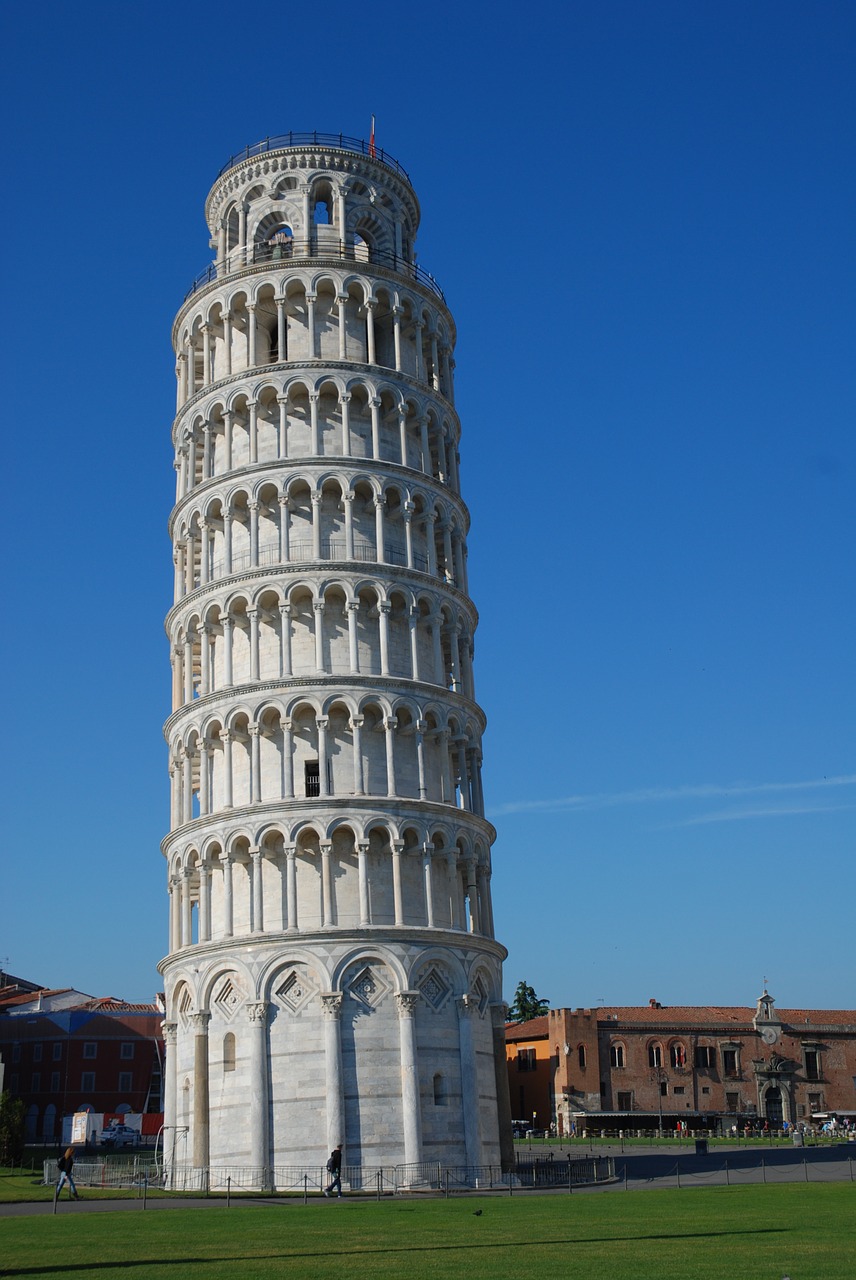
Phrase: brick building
(64, 1051)
(633, 1067)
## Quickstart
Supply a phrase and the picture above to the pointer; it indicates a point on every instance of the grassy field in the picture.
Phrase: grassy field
(762, 1233)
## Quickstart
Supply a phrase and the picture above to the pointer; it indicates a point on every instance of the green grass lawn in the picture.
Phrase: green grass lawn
(760, 1233)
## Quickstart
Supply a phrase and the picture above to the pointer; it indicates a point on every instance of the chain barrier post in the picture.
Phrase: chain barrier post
(229, 1191)
(305, 1187)
(145, 1187)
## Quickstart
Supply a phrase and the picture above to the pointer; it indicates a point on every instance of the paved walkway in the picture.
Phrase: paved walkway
(636, 1169)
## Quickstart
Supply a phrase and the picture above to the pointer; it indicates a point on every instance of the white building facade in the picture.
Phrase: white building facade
(332, 973)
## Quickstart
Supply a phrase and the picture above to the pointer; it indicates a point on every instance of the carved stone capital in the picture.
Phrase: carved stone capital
(406, 1002)
(199, 1022)
(331, 1004)
(468, 1005)
(499, 1013)
(257, 1012)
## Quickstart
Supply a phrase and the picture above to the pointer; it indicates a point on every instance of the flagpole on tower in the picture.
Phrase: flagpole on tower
(372, 141)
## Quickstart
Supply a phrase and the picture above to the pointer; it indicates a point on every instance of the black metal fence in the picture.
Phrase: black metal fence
(310, 251)
(328, 140)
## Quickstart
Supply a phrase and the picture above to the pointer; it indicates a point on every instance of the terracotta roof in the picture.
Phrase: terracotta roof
(733, 1015)
(531, 1030)
(32, 997)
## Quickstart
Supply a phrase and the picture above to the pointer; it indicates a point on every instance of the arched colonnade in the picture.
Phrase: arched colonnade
(311, 748)
(302, 317)
(310, 517)
(339, 876)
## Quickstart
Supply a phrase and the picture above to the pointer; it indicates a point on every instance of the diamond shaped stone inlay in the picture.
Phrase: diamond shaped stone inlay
(296, 990)
(368, 988)
(434, 989)
(228, 998)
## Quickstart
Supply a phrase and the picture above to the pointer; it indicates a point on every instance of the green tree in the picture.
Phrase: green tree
(526, 1004)
(11, 1129)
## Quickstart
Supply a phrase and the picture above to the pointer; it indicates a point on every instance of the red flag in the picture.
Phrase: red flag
(371, 141)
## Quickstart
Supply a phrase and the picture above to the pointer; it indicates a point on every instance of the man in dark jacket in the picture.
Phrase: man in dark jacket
(65, 1164)
(334, 1167)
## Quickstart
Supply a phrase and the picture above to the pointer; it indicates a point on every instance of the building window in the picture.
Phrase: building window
(57, 1051)
(525, 1059)
(616, 1055)
(54, 1082)
(655, 1055)
(36, 1082)
(312, 777)
(126, 1081)
(90, 1049)
(732, 1102)
(814, 1102)
(704, 1056)
(37, 1053)
(16, 1053)
(127, 1050)
(729, 1062)
(625, 1101)
(678, 1055)
(13, 1083)
(439, 1091)
(664, 1089)
(229, 1052)
(87, 1082)
(581, 1056)
(705, 1088)
(812, 1064)
(679, 1088)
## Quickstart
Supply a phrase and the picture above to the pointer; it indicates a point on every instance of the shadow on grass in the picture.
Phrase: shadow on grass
(66, 1267)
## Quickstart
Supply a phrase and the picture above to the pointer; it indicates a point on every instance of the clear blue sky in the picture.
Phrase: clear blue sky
(642, 215)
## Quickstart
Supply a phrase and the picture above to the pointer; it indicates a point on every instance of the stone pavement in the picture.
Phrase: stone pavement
(636, 1169)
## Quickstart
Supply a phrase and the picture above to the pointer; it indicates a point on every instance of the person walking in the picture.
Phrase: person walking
(65, 1164)
(334, 1167)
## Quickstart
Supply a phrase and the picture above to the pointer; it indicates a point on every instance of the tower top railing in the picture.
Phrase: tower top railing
(302, 251)
(338, 140)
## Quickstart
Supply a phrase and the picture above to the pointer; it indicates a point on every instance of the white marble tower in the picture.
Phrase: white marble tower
(332, 973)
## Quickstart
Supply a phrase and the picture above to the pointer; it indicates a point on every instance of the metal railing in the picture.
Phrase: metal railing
(363, 1179)
(306, 251)
(339, 140)
(331, 549)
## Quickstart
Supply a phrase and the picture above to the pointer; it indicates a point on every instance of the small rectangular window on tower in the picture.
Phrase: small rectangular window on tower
(312, 775)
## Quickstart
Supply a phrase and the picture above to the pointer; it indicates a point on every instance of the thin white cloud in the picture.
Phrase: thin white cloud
(665, 795)
(740, 815)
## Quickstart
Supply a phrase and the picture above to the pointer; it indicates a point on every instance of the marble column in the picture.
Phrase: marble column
(411, 1106)
(331, 1002)
(257, 1017)
(201, 1125)
(170, 1103)
(467, 1014)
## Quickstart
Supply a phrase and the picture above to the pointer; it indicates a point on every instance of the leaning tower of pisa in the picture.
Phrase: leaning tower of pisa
(332, 973)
